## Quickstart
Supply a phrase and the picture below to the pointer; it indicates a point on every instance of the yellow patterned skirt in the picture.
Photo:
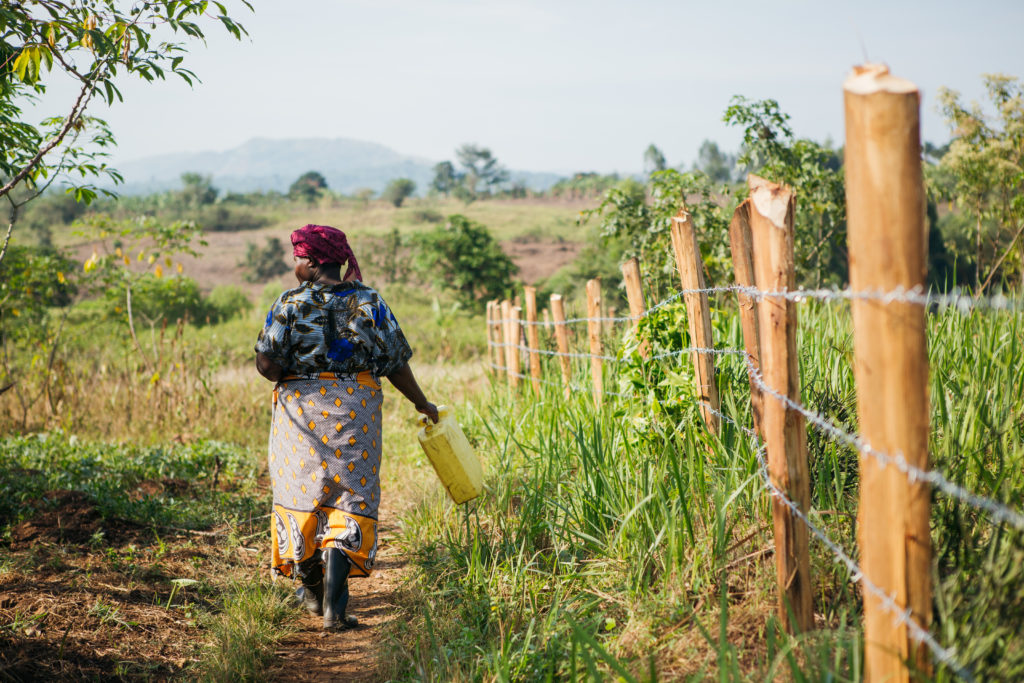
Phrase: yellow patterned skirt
(325, 448)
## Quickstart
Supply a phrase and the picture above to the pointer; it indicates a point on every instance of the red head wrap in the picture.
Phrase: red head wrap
(324, 244)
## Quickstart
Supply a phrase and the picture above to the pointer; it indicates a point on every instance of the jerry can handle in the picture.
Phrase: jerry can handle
(442, 412)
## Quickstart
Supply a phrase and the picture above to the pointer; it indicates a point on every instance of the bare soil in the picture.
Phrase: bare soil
(219, 262)
(540, 258)
(83, 597)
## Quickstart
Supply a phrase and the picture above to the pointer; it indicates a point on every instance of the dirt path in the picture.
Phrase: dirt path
(352, 655)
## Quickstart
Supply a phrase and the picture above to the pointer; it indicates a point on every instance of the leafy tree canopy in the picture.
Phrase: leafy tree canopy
(446, 178)
(463, 255)
(95, 44)
(714, 163)
(197, 190)
(983, 171)
(654, 160)
(263, 263)
(813, 170)
(308, 186)
(398, 190)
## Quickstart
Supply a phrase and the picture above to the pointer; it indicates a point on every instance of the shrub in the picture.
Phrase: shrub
(462, 255)
(226, 302)
(398, 190)
(155, 299)
(263, 263)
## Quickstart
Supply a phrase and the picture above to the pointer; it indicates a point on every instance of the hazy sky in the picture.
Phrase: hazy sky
(560, 85)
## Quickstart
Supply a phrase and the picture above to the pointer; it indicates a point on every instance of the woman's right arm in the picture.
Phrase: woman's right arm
(274, 342)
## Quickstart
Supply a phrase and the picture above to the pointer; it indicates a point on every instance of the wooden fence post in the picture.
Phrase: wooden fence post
(562, 340)
(506, 330)
(547, 319)
(887, 241)
(771, 225)
(635, 297)
(516, 331)
(594, 330)
(497, 333)
(533, 336)
(698, 314)
(490, 339)
(741, 244)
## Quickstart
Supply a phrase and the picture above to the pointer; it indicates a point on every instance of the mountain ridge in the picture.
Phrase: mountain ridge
(265, 164)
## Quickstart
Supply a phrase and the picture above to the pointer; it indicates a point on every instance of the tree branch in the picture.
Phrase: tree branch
(10, 228)
(76, 111)
(1002, 258)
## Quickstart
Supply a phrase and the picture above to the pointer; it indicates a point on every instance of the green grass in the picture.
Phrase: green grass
(254, 616)
(625, 542)
(110, 475)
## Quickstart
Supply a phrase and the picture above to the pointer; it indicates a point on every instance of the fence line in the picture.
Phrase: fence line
(890, 369)
(964, 303)
(946, 656)
(999, 512)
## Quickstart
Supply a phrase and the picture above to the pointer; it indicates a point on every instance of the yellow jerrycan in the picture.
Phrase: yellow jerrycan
(451, 455)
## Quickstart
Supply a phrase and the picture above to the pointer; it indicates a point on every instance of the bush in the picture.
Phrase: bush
(226, 302)
(225, 218)
(463, 256)
(398, 190)
(155, 299)
(426, 216)
(32, 280)
(264, 263)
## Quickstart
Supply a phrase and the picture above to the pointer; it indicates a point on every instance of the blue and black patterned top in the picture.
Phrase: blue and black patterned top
(344, 329)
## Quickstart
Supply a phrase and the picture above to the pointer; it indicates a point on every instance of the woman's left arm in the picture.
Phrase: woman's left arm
(405, 382)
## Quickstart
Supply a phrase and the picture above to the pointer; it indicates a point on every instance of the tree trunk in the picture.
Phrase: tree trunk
(977, 252)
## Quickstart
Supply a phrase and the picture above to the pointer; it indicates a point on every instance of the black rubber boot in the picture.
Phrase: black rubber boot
(311, 592)
(336, 568)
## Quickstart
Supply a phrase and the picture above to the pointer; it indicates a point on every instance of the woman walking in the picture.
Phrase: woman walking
(326, 343)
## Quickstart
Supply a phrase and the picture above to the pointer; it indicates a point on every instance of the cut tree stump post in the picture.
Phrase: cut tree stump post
(887, 238)
(771, 225)
(498, 334)
(635, 297)
(516, 330)
(490, 339)
(594, 332)
(698, 314)
(533, 336)
(562, 341)
(510, 350)
(741, 243)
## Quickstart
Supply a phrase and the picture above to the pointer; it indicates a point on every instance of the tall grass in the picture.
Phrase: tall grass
(630, 543)
(254, 616)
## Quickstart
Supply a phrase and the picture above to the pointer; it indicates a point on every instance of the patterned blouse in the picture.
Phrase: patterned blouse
(345, 329)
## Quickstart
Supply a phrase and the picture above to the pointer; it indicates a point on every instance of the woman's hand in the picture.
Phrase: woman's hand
(428, 409)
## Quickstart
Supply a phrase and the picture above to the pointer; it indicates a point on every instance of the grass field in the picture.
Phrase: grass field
(620, 544)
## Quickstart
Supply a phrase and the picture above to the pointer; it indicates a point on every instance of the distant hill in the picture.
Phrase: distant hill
(262, 165)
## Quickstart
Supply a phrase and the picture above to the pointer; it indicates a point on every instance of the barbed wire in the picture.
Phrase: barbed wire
(902, 616)
(964, 303)
(997, 510)
(661, 356)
